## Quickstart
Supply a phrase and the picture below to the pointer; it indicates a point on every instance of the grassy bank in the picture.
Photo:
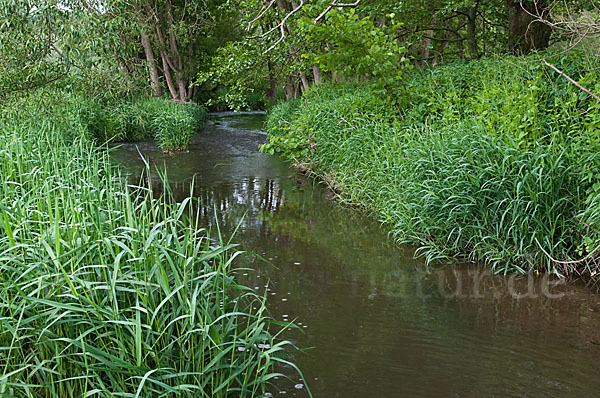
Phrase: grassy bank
(479, 160)
(105, 291)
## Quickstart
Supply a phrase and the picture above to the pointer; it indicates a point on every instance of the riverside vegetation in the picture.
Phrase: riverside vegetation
(104, 290)
(480, 160)
(170, 124)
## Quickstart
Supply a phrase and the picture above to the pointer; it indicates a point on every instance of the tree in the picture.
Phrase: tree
(292, 44)
(526, 33)
(45, 42)
(172, 30)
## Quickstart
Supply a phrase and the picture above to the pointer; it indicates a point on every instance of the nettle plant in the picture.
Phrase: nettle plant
(357, 48)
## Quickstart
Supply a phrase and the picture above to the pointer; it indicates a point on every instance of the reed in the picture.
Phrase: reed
(105, 291)
(171, 125)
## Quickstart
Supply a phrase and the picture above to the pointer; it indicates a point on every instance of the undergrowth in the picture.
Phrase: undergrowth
(481, 160)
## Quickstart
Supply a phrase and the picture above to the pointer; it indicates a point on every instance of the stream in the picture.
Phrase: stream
(373, 320)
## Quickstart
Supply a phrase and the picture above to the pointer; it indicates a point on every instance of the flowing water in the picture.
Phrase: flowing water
(376, 322)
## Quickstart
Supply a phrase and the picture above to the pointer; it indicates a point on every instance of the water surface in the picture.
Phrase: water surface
(379, 322)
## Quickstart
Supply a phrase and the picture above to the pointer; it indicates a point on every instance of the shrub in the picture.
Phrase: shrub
(176, 125)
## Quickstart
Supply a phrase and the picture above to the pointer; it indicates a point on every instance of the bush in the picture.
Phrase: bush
(172, 125)
(175, 127)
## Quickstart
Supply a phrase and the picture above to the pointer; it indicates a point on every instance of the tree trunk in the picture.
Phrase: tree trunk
(154, 82)
(524, 34)
(284, 5)
(289, 91)
(167, 73)
(182, 86)
(440, 51)
(272, 92)
(472, 33)
(426, 45)
(317, 75)
(179, 73)
(304, 81)
(155, 87)
(332, 71)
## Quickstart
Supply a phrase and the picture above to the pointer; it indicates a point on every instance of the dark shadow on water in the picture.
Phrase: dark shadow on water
(381, 323)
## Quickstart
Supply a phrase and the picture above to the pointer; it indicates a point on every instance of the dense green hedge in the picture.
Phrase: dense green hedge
(482, 159)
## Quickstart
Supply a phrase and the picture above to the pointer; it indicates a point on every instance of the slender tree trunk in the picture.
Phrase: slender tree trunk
(182, 86)
(459, 44)
(304, 81)
(167, 73)
(163, 53)
(178, 93)
(272, 92)
(317, 75)
(333, 71)
(289, 91)
(154, 82)
(524, 34)
(472, 33)
(426, 45)
(155, 87)
(179, 73)
(440, 51)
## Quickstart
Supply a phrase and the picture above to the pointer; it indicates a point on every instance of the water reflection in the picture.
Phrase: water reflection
(382, 324)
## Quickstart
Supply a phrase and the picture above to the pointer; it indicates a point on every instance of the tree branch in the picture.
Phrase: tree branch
(260, 15)
(570, 79)
(335, 4)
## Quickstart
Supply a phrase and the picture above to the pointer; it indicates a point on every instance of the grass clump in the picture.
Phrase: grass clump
(175, 125)
(482, 160)
(105, 291)
(171, 125)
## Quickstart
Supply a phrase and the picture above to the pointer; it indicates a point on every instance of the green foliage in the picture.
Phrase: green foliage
(487, 157)
(28, 39)
(106, 291)
(226, 98)
(64, 43)
(176, 125)
(172, 125)
(517, 101)
(292, 125)
(237, 67)
(356, 47)
(283, 139)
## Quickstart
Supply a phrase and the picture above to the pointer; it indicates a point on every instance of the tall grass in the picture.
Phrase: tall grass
(105, 291)
(170, 124)
(478, 163)
(175, 125)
